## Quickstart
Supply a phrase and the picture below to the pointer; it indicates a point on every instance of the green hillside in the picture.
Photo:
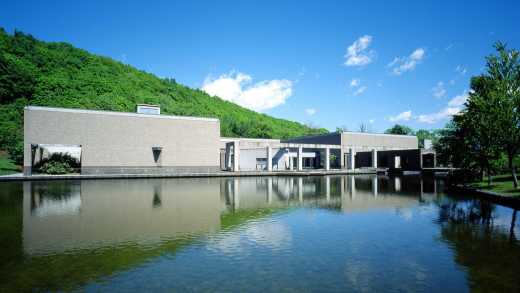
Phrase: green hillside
(60, 75)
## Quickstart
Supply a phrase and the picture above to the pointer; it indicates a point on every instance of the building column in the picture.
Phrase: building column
(397, 184)
(227, 157)
(375, 185)
(269, 190)
(352, 159)
(269, 158)
(300, 189)
(352, 186)
(290, 159)
(342, 188)
(434, 160)
(327, 159)
(374, 158)
(300, 158)
(341, 158)
(236, 197)
(236, 156)
(327, 188)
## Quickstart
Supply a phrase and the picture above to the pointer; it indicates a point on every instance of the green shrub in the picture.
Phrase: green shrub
(57, 163)
(15, 151)
(52, 167)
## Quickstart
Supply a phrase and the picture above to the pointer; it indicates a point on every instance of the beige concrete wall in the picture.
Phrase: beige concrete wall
(113, 139)
(246, 143)
(368, 141)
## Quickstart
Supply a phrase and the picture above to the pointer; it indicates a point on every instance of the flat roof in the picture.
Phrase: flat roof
(128, 114)
(378, 134)
(229, 139)
(313, 136)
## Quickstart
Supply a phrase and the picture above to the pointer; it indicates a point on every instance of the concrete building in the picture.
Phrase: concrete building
(116, 142)
(149, 143)
(275, 155)
(345, 150)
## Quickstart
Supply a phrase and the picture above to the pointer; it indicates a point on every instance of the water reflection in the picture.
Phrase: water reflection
(91, 214)
(344, 193)
(54, 198)
(484, 242)
(69, 234)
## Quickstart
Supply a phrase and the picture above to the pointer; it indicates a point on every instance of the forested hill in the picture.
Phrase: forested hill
(60, 75)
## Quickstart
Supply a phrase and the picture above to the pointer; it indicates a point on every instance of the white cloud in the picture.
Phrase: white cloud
(360, 90)
(236, 87)
(401, 65)
(439, 91)
(358, 53)
(448, 47)
(460, 69)
(455, 105)
(441, 115)
(310, 111)
(459, 100)
(403, 116)
(355, 82)
(371, 121)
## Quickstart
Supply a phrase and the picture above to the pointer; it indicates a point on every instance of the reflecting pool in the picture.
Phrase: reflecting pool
(305, 234)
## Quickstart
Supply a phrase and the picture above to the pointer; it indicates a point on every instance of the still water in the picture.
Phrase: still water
(307, 234)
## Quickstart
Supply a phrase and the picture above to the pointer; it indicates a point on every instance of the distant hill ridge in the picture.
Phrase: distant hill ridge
(59, 75)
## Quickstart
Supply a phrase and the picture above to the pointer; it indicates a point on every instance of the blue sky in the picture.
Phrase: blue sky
(326, 63)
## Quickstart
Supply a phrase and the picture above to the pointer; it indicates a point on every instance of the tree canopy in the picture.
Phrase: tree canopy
(399, 129)
(489, 126)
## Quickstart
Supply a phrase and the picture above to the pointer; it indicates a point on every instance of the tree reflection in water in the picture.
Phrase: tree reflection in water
(482, 243)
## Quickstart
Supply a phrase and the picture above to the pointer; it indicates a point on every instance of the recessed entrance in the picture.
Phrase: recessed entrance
(55, 158)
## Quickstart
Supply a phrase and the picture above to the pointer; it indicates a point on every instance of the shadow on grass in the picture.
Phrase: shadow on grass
(512, 191)
(503, 178)
(487, 187)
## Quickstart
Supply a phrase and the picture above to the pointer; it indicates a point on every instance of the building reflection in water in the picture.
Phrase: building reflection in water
(98, 213)
(55, 198)
(346, 193)
(59, 216)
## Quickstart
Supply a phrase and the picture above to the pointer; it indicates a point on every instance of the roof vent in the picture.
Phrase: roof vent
(148, 109)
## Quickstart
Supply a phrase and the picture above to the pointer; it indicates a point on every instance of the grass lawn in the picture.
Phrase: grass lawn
(7, 166)
(502, 184)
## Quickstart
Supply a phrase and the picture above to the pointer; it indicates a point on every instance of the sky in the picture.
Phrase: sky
(323, 63)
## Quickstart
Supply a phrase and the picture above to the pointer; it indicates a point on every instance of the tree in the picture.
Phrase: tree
(423, 134)
(502, 86)
(477, 126)
(489, 126)
(449, 148)
(399, 129)
(342, 128)
(363, 127)
(16, 79)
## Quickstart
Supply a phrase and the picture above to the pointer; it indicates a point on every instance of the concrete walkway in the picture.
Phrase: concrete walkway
(21, 177)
